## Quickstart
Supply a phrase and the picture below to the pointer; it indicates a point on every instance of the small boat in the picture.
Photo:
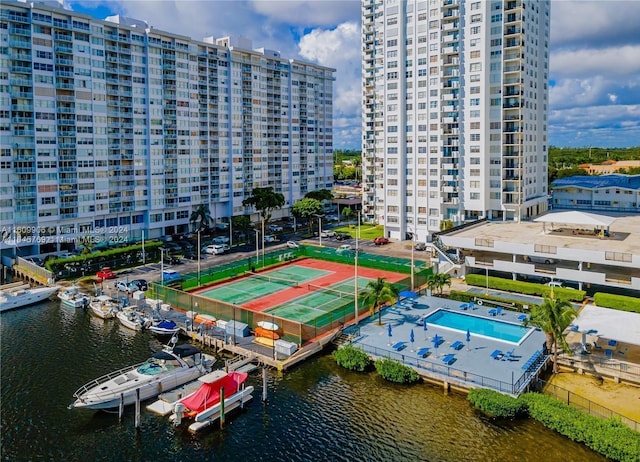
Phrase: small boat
(268, 325)
(164, 327)
(11, 299)
(204, 404)
(104, 306)
(167, 369)
(133, 319)
(71, 296)
(262, 332)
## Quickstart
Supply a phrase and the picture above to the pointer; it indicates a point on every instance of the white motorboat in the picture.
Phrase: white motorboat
(167, 369)
(12, 299)
(104, 306)
(131, 318)
(71, 296)
(268, 325)
(204, 405)
(164, 327)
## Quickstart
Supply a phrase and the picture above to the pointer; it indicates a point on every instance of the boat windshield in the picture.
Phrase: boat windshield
(154, 366)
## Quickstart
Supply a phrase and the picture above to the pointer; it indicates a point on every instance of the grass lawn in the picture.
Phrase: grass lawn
(366, 231)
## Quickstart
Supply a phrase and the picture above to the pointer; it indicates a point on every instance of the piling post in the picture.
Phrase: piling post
(121, 407)
(137, 424)
(264, 383)
(221, 408)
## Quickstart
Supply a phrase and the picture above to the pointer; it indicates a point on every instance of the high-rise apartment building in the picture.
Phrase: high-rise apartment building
(111, 128)
(454, 112)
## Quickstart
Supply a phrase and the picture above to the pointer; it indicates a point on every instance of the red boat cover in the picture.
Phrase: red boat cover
(209, 393)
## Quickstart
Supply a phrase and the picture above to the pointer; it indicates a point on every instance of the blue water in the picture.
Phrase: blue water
(498, 330)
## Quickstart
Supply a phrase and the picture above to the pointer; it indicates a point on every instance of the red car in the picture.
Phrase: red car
(380, 241)
(105, 273)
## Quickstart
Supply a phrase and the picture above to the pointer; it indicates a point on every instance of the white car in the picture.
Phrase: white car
(327, 233)
(270, 238)
(220, 240)
(275, 228)
(292, 244)
(216, 249)
(344, 248)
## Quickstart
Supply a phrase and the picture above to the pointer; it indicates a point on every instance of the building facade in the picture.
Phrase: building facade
(455, 102)
(606, 193)
(112, 129)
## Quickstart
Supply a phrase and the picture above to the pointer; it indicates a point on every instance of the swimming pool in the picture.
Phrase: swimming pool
(499, 330)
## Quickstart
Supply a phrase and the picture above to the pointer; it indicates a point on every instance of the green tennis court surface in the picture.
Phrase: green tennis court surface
(257, 286)
(320, 302)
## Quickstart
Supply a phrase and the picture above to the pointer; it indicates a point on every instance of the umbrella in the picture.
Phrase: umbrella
(408, 294)
(412, 338)
(468, 338)
(389, 332)
(436, 341)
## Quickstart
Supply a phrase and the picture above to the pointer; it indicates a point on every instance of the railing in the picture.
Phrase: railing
(580, 402)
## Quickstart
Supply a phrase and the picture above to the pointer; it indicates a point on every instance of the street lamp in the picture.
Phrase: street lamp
(262, 245)
(162, 265)
(193, 317)
(199, 250)
(257, 247)
(319, 217)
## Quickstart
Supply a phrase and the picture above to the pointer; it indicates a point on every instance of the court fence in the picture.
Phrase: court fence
(292, 331)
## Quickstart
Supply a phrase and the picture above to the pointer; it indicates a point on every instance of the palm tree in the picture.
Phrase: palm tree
(200, 214)
(553, 316)
(436, 282)
(377, 293)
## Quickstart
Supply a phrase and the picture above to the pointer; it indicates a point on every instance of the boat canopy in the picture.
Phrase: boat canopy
(185, 350)
(163, 355)
(209, 393)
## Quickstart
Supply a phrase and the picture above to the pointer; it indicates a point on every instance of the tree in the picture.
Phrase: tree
(321, 195)
(200, 214)
(347, 213)
(377, 293)
(264, 200)
(436, 282)
(553, 316)
(241, 223)
(306, 208)
(445, 225)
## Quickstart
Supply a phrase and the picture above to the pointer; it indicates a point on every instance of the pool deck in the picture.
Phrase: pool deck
(472, 365)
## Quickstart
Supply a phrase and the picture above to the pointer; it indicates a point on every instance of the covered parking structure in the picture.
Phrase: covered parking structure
(578, 220)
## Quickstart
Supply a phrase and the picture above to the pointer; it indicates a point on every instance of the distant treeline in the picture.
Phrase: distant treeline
(563, 162)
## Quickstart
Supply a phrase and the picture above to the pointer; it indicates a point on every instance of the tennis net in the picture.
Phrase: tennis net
(333, 292)
(273, 280)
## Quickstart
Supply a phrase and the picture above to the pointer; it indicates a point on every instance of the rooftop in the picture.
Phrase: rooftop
(601, 181)
(624, 237)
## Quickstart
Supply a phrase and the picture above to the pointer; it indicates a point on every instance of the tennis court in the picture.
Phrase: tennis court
(319, 301)
(260, 285)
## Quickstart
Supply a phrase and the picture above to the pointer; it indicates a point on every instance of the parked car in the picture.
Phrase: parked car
(192, 255)
(138, 284)
(105, 273)
(421, 246)
(35, 260)
(380, 240)
(342, 236)
(220, 240)
(555, 284)
(292, 244)
(538, 259)
(275, 228)
(216, 249)
(327, 233)
(270, 238)
(344, 248)
(173, 260)
(331, 217)
(121, 285)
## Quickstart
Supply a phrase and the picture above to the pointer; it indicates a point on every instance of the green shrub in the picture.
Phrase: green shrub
(527, 288)
(617, 302)
(395, 371)
(352, 358)
(606, 436)
(496, 404)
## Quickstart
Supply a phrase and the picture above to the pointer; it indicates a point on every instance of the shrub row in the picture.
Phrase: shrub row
(608, 437)
(355, 359)
(617, 302)
(527, 288)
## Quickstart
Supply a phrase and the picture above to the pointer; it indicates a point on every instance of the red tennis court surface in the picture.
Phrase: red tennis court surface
(339, 273)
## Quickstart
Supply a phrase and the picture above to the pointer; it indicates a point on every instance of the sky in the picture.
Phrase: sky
(594, 76)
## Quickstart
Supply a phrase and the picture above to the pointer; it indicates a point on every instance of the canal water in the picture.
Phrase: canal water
(317, 412)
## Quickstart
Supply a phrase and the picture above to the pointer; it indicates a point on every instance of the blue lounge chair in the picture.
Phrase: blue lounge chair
(497, 354)
(507, 355)
(457, 345)
(492, 312)
(449, 359)
(608, 353)
(522, 317)
(573, 328)
(472, 306)
(464, 306)
(612, 343)
(423, 352)
(499, 310)
(399, 346)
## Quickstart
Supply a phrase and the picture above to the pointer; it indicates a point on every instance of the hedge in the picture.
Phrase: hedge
(352, 358)
(617, 302)
(527, 288)
(609, 437)
(470, 297)
(496, 404)
(395, 371)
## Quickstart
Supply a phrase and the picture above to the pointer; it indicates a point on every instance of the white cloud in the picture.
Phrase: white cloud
(310, 13)
(613, 62)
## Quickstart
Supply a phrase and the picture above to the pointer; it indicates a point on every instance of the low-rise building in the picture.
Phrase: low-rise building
(615, 193)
